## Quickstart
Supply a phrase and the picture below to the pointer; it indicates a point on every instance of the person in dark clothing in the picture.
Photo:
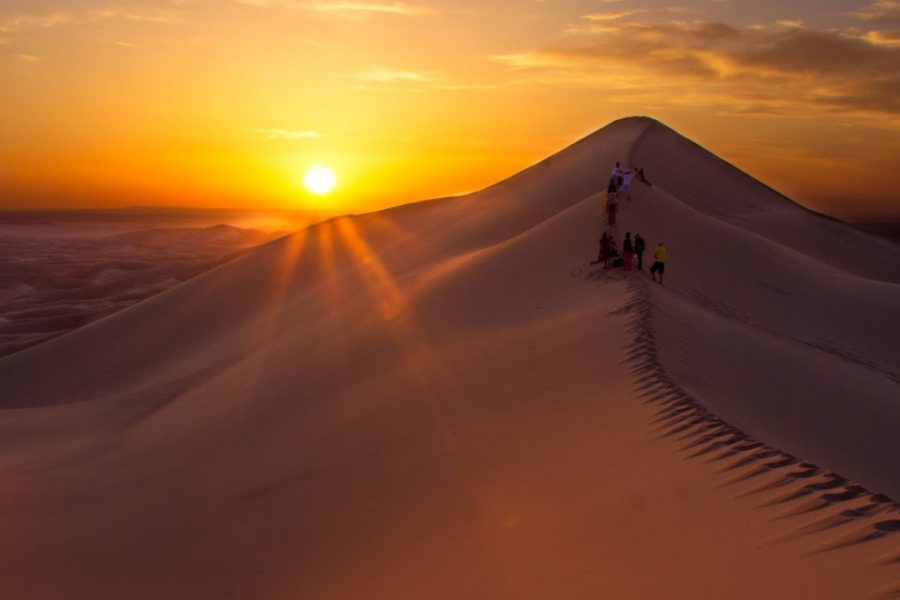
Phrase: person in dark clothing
(660, 265)
(639, 246)
(640, 175)
(605, 251)
(627, 252)
(612, 207)
(612, 188)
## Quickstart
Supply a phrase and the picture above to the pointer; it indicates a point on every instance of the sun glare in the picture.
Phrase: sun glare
(319, 180)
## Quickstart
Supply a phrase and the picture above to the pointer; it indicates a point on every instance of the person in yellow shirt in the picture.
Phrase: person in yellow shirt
(659, 266)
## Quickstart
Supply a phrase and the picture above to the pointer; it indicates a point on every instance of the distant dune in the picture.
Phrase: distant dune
(446, 400)
(67, 275)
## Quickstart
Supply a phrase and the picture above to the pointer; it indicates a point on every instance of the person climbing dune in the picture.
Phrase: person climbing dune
(659, 266)
(612, 188)
(625, 188)
(612, 207)
(605, 251)
(639, 246)
(627, 252)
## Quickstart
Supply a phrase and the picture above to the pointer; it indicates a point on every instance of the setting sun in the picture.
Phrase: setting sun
(319, 180)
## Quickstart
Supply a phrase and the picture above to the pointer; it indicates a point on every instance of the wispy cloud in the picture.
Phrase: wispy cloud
(385, 75)
(532, 59)
(29, 58)
(883, 38)
(881, 22)
(611, 15)
(142, 16)
(349, 9)
(880, 12)
(793, 23)
(24, 22)
(43, 21)
(287, 134)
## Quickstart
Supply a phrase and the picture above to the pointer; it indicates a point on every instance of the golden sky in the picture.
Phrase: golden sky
(226, 103)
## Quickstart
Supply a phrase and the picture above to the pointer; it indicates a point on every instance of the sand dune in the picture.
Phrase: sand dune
(56, 277)
(445, 400)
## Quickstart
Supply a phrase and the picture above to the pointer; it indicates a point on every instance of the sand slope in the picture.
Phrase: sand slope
(444, 400)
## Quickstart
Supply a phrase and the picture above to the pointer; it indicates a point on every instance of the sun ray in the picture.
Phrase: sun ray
(379, 280)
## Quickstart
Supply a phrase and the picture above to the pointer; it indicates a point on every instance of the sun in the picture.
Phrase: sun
(319, 179)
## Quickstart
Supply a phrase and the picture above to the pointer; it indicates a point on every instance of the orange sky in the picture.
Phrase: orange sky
(225, 103)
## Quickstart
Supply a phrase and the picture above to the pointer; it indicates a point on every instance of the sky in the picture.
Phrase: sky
(226, 103)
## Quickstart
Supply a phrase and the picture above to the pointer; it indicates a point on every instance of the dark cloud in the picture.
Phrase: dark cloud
(823, 53)
(791, 65)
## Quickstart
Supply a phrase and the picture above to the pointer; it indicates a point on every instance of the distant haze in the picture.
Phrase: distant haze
(202, 103)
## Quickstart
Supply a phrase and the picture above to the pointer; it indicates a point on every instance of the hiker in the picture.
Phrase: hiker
(605, 250)
(639, 246)
(612, 188)
(612, 257)
(627, 252)
(612, 207)
(625, 188)
(660, 264)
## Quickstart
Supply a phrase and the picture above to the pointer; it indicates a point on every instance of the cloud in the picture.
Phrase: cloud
(883, 38)
(24, 22)
(881, 20)
(348, 9)
(287, 134)
(776, 69)
(155, 16)
(532, 60)
(44, 21)
(611, 15)
(881, 14)
(385, 75)
(29, 58)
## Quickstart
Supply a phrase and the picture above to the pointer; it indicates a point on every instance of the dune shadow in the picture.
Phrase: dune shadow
(697, 433)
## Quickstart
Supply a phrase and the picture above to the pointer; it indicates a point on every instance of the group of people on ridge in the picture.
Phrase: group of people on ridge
(620, 186)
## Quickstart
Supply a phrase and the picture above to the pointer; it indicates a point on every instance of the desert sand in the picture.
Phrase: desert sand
(446, 400)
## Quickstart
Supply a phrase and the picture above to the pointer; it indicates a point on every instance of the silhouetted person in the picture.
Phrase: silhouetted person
(615, 258)
(625, 187)
(639, 246)
(640, 175)
(605, 250)
(612, 207)
(612, 188)
(659, 266)
(627, 252)
(616, 172)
